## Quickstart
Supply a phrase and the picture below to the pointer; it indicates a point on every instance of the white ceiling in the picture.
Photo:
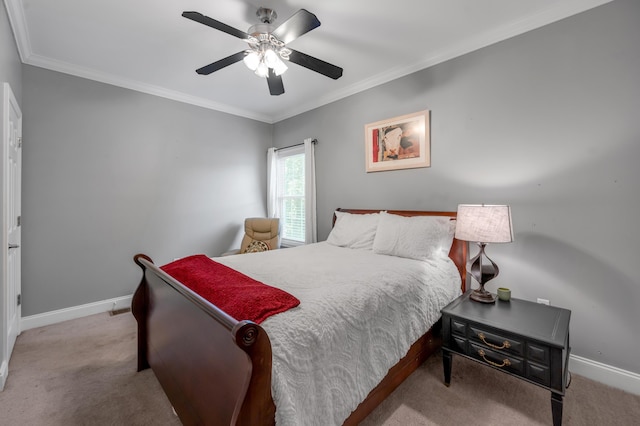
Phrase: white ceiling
(146, 45)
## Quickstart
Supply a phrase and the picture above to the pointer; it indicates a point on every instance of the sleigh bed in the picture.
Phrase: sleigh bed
(217, 370)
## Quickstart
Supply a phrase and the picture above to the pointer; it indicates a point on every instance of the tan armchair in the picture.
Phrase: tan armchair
(260, 234)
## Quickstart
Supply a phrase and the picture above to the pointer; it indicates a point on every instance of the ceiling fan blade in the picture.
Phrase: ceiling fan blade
(215, 66)
(314, 64)
(298, 24)
(199, 17)
(275, 83)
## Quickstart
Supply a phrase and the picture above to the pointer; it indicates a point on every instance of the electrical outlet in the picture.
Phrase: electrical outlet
(543, 301)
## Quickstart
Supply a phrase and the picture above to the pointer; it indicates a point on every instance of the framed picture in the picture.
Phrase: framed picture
(398, 143)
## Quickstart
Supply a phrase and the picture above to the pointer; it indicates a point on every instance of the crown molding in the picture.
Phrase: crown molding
(91, 74)
(552, 14)
(18, 23)
(545, 17)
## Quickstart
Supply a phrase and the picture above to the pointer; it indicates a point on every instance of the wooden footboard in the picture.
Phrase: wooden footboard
(216, 370)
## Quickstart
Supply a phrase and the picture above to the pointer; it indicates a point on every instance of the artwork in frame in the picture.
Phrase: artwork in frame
(398, 143)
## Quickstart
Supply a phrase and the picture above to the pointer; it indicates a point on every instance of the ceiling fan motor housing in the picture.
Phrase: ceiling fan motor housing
(256, 30)
(266, 15)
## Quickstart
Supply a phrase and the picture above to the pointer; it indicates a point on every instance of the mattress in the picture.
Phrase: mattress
(359, 314)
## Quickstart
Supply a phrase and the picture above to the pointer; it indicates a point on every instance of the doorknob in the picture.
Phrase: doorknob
(12, 246)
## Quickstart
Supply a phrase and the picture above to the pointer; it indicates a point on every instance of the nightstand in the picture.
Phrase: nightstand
(521, 338)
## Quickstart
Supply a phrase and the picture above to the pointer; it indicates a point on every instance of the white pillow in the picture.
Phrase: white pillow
(355, 231)
(415, 237)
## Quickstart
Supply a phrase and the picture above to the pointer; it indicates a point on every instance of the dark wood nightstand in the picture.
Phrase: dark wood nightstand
(525, 339)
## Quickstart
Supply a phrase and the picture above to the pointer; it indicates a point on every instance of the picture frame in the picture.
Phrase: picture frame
(398, 143)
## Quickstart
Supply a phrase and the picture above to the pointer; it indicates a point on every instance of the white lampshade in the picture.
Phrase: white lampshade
(262, 70)
(252, 60)
(484, 223)
(270, 58)
(280, 67)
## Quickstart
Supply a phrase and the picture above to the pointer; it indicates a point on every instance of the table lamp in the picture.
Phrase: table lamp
(483, 223)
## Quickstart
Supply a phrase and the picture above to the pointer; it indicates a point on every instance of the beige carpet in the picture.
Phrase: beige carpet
(82, 372)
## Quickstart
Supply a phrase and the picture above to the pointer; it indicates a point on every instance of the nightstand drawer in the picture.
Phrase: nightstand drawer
(459, 344)
(539, 373)
(459, 327)
(537, 353)
(497, 342)
(497, 359)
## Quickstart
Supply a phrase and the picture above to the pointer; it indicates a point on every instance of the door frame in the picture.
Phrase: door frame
(9, 103)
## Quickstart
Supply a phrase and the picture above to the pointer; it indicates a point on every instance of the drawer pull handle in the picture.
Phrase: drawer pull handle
(505, 362)
(505, 344)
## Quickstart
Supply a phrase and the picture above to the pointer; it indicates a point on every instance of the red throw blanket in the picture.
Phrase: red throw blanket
(238, 295)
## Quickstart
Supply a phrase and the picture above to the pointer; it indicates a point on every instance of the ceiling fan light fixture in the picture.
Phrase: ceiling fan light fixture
(252, 60)
(270, 58)
(284, 53)
(268, 52)
(280, 67)
(262, 70)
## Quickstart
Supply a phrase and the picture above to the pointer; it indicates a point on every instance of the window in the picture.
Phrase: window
(290, 195)
(291, 192)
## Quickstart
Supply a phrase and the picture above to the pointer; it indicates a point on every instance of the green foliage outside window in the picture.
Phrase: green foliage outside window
(291, 197)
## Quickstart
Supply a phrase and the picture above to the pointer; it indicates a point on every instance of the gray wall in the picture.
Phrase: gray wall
(109, 172)
(546, 122)
(10, 68)
(10, 65)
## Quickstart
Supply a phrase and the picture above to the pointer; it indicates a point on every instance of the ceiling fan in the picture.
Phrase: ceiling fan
(268, 49)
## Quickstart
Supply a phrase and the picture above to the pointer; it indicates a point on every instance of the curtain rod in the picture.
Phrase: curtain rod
(313, 141)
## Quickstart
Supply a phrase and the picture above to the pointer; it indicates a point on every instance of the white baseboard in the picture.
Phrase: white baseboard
(603, 373)
(4, 370)
(53, 317)
(612, 376)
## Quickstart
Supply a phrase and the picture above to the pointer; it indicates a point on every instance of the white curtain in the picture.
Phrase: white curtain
(272, 187)
(311, 225)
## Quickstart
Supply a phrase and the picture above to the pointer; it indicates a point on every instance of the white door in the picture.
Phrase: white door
(11, 236)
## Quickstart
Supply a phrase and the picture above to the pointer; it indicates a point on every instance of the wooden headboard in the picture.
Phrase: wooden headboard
(459, 249)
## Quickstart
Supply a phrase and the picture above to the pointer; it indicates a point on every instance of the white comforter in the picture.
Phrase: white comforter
(359, 313)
